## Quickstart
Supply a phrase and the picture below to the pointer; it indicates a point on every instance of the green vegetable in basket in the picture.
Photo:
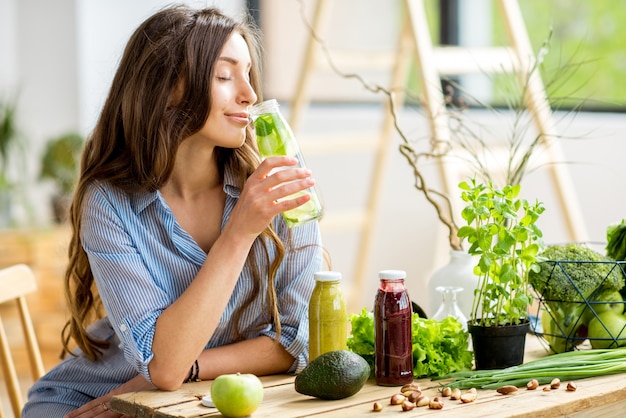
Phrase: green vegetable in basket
(573, 279)
(616, 241)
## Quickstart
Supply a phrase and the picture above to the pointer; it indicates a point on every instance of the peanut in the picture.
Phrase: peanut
(414, 396)
(410, 387)
(397, 399)
(456, 394)
(469, 396)
(423, 401)
(377, 407)
(407, 406)
(555, 383)
(435, 403)
(507, 389)
(532, 385)
(571, 386)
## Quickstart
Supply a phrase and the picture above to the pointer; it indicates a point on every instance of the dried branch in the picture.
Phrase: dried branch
(472, 144)
(440, 201)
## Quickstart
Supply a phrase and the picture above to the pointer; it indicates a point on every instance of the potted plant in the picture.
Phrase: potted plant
(9, 151)
(59, 163)
(502, 233)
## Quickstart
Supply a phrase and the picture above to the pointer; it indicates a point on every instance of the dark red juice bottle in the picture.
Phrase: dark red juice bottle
(392, 329)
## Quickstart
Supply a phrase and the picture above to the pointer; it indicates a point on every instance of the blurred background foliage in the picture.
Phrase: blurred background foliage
(589, 33)
(586, 62)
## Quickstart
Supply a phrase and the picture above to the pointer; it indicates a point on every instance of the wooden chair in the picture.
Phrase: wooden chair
(16, 282)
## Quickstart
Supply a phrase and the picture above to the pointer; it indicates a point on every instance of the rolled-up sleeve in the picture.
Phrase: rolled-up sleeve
(129, 292)
(142, 261)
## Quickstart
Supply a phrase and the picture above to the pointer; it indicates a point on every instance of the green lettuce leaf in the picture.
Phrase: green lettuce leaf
(439, 347)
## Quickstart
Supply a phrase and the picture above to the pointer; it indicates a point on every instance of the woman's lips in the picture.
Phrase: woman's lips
(242, 118)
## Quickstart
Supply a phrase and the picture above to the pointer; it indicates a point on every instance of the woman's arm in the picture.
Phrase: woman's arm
(260, 356)
(192, 319)
(164, 310)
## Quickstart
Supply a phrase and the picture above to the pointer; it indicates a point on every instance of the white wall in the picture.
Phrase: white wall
(104, 26)
(61, 56)
(58, 57)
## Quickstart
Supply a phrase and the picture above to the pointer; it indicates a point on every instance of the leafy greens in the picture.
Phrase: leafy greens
(439, 346)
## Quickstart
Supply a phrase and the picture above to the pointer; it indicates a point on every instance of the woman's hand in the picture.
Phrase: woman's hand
(264, 193)
(99, 407)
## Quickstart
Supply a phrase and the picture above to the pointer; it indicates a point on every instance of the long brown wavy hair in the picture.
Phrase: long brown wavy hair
(134, 143)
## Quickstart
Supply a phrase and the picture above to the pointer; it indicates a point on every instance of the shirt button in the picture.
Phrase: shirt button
(123, 328)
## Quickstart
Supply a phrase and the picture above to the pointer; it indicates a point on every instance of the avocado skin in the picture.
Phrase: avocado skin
(333, 375)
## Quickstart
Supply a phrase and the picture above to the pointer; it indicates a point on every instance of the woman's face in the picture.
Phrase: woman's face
(232, 95)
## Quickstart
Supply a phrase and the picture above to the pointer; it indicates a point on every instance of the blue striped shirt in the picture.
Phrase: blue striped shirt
(142, 261)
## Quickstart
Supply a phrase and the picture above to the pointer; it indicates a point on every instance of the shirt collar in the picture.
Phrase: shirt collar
(142, 200)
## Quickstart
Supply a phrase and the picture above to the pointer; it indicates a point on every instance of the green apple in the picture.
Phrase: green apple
(606, 327)
(607, 300)
(237, 395)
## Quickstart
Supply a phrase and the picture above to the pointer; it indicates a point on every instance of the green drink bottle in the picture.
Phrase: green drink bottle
(275, 138)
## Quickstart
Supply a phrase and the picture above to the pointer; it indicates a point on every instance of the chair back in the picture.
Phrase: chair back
(16, 282)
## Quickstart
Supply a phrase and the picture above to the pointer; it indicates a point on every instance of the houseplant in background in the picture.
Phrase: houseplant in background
(10, 155)
(59, 163)
(502, 233)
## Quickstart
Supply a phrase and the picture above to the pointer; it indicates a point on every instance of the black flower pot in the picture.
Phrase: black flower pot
(498, 347)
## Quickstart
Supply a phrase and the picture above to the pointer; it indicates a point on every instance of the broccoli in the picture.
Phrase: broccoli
(571, 279)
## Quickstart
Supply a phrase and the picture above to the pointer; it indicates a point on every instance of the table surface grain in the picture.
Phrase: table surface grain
(596, 397)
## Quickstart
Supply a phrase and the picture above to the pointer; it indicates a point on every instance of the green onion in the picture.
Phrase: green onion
(571, 365)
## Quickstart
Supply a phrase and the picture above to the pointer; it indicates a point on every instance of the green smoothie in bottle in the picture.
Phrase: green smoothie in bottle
(328, 318)
(275, 138)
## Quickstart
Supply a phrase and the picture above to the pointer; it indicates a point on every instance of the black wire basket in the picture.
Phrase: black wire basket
(580, 321)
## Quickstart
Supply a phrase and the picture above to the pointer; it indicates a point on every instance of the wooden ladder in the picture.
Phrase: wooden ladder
(434, 62)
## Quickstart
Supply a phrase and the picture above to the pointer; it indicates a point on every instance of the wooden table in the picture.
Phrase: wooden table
(597, 397)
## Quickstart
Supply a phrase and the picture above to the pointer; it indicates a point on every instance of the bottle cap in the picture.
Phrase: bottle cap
(391, 274)
(327, 276)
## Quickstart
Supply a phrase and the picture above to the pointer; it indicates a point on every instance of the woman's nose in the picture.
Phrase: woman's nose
(247, 93)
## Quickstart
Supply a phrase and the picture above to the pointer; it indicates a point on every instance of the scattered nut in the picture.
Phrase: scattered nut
(414, 396)
(446, 391)
(435, 403)
(555, 383)
(469, 396)
(507, 389)
(407, 406)
(410, 387)
(456, 394)
(532, 385)
(397, 399)
(547, 389)
(571, 386)
(423, 401)
(377, 407)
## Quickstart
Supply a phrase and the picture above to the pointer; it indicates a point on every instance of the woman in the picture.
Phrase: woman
(175, 227)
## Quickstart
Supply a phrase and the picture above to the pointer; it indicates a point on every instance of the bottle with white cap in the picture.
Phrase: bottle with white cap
(393, 342)
(328, 317)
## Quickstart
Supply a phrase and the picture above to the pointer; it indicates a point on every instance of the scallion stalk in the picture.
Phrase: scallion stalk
(566, 366)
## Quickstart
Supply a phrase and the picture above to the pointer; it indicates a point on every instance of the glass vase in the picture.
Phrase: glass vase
(459, 272)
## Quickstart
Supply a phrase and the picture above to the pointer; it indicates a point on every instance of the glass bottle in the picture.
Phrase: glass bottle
(449, 305)
(328, 317)
(275, 138)
(393, 364)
